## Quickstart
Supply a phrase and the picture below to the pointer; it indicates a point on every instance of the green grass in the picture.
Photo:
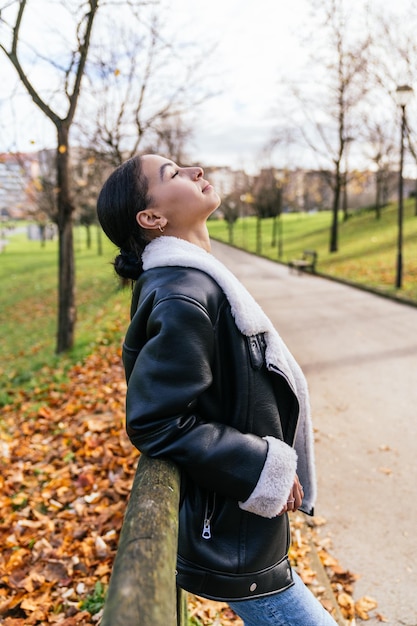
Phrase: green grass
(95, 601)
(28, 312)
(367, 246)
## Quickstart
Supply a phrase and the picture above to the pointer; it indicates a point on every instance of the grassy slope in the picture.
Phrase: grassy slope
(367, 247)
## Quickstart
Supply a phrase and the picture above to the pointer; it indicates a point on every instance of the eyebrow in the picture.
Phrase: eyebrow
(163, 168)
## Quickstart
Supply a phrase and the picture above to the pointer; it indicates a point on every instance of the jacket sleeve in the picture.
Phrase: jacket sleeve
(275, 482)
(171, 371)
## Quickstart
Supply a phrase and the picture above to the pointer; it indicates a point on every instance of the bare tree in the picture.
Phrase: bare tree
(413, 151)
(47, 186)
(267, 195)
(172, 138)
(380, 150)
(72, 73)
(232, 208)
(338, 67)
(143, 90)
(395, 64)
(88, 173)
(44, 192)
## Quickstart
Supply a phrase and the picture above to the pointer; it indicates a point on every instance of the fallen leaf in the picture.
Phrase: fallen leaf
(347, 605)
(385, 470)
(363, 606)
(381, 618)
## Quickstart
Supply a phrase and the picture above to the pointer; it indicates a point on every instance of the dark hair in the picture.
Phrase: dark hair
(122, 196)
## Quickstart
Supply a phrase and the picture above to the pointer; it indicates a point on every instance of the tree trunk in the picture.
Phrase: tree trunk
(345, 198)
(274, 231)
(66, 274)
(334, 234)
(230, 226)
(258, 236)
(378, 196)
(99, 242)
(280, 237)
(42, 234)
(415, 200)
(88, 233)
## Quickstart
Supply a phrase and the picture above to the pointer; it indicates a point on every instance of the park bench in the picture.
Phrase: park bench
(307, 262)
(142, 588)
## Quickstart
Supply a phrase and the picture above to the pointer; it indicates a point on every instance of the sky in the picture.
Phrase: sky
(256, 42)
(252, 40)
(260, 43)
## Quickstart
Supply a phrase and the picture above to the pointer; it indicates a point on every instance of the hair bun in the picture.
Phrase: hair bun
(127, 265)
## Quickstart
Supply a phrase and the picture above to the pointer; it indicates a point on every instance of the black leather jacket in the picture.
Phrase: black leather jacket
(199, 393)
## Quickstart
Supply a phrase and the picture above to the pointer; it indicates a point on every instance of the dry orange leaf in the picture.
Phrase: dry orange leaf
(364, 605)
(385, 470)
(381, 618)
(347, 605)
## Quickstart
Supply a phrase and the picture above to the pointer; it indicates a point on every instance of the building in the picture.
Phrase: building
(18, 171)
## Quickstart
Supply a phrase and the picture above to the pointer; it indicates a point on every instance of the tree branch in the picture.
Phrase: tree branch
(83, 49)
(13, 57)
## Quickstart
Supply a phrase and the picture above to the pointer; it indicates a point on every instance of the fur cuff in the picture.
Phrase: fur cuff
(275, 482)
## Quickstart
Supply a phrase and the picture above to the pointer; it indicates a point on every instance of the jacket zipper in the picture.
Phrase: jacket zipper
(208, 516)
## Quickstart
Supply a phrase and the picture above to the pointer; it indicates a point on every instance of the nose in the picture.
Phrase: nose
(197, 172)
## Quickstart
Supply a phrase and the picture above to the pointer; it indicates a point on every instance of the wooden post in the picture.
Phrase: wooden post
(142, 587)
(182, 607)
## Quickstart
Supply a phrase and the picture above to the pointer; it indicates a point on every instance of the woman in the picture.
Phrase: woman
(212, 387)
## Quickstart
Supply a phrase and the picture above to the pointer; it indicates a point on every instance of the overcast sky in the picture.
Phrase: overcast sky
(252, 39)
(257, 41)
(260, 42)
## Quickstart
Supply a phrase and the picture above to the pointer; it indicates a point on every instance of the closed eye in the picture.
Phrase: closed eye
(175, 174)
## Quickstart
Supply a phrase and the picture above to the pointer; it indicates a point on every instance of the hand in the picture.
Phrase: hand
(295, 497)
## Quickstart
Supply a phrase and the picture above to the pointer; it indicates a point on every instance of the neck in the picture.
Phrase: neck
(199, 238)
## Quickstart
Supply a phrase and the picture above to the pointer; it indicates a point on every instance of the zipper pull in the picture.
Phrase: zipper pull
(206, 534)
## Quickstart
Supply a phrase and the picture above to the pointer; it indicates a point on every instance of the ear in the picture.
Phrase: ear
(150, 220)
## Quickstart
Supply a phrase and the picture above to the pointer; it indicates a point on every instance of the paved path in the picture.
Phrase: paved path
(359, 353)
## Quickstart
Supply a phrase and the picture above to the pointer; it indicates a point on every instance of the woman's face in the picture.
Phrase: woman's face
(181, 198)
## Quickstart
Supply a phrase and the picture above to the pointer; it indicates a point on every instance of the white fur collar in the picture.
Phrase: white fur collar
(250, 320)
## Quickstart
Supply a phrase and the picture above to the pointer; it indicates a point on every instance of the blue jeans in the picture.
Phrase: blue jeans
(295, 606)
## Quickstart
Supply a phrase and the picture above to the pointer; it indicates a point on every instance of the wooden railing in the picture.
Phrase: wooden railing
(142, 589)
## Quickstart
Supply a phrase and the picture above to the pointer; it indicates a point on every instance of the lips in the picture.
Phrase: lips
(207, 187)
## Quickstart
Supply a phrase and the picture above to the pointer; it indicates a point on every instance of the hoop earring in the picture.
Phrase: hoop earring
(161, 228)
